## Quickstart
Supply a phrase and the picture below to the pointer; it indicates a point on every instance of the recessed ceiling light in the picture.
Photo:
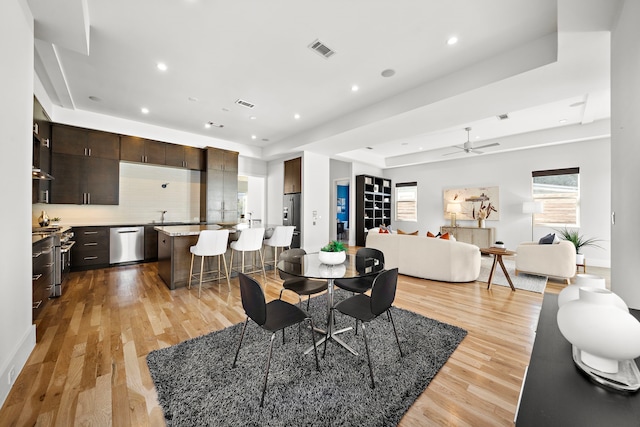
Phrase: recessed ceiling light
(577, 104)
(405, 143)
(420, 148)
(193, 99)
(354, 88)
(388, 73)
(296, 116)
(162, 66)
(265, 139)
(225, 109)
(252, 117)
(452, 40)
(562, 121)
(207, 125)
(144, 110)
(253, 137)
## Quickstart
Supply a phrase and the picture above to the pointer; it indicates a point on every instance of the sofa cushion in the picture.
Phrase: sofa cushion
(548, 239)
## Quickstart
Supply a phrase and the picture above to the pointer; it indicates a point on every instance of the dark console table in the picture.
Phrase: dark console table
(557, 393)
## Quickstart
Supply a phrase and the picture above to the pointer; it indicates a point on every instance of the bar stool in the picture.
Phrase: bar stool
(210, 243)
(250, 240)
(281, 238)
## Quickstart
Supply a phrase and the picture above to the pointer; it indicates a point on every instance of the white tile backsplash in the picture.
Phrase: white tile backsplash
(142, 198)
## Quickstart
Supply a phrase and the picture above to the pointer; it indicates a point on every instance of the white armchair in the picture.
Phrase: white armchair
(555, 260)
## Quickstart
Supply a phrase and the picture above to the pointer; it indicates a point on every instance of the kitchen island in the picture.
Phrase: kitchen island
(174, 257)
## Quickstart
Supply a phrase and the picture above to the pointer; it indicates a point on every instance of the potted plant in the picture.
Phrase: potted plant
(573, 236)
(56, 220)
(333, 253)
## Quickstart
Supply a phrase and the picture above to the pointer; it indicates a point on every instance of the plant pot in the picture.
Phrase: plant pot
(481, 223)
(579, 259)
(332, 258)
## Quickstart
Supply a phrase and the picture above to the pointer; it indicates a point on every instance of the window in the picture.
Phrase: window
(407, 201)
(559, 192)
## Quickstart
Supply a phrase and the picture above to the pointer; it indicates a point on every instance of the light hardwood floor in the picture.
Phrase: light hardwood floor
(89, 367)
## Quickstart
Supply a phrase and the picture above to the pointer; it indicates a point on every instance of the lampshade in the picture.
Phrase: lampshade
(454, 208)
(532, 207)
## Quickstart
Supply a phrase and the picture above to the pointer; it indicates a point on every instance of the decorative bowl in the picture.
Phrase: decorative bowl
(332, 258)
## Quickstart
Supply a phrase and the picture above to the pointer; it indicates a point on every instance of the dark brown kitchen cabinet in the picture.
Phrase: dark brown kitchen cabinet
(91, 249)
(293, 176)
(84, 180)
(86, 166)
(84, 142)
(41, 188)
(183, 156)
(42, 274)
(221, 185)
(141, 150)
(150, 243)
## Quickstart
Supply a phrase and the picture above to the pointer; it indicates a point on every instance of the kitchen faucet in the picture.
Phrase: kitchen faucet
(162, 217)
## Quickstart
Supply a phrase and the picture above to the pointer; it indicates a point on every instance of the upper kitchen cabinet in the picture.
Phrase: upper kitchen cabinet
(141, 150)
(293, 176)
(41, 154)
(86, 166)
(85, 142)
(221, 186)
(183, 156)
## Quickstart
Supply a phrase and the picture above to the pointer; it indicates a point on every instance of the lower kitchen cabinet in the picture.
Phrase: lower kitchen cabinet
(42, 274)
(91, 249)
(150, 243)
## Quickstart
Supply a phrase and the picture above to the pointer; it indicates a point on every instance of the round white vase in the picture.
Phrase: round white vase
(570, 293)
(332, 258)
(604, 332)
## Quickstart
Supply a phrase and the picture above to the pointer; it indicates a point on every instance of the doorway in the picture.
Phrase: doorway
(342, 210)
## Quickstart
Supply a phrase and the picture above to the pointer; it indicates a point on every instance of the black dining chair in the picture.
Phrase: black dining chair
(368, 260)
(273, 316)
(300, 285)
(365, 308)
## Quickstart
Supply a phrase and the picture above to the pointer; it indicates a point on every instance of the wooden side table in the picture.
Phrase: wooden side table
(583, 265)
(498, 253)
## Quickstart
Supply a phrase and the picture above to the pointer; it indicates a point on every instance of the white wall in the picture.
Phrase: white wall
(315, 198)
(512, 173)
(17, 334)
(625, 153)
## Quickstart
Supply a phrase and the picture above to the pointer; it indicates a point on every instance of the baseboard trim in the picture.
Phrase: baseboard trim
(17, 361)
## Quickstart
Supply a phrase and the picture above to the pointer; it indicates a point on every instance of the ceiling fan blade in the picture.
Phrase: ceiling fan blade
(448, 154)
(488, 145)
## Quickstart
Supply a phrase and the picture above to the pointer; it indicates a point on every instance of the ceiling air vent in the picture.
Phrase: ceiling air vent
(245, 103)
(504, 116)
(322, 49)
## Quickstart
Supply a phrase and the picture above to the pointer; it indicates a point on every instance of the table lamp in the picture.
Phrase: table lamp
(532, 208)
(453, 209)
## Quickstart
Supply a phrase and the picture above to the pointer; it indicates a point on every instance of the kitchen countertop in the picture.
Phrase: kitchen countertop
(194, 230)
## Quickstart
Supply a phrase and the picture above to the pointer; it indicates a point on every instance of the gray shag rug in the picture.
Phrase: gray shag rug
(196, 385)
(523, 281)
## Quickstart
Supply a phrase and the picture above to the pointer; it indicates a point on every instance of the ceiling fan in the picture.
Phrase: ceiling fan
(468, 146)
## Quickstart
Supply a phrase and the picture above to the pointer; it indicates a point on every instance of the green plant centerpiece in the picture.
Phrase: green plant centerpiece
(579, 241)
(333, 253)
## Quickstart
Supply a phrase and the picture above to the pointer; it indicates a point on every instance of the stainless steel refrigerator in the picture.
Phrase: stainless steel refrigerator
(292, 215)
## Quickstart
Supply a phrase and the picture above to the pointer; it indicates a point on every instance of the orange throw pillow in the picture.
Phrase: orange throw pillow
(401, 232)
(445, 236)
(430, 234)
(415, 233)
(383, 231)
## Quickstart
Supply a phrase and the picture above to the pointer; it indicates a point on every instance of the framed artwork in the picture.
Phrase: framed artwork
(475, 203)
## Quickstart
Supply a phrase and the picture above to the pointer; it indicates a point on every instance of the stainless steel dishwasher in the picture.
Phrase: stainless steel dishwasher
(126, 244)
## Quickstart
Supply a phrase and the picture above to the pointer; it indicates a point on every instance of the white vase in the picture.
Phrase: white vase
(332, 258)
(579, 259)
(481, 223)
(604, 332)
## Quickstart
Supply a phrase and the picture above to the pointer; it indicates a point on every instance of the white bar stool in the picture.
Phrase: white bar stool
(250, 240)
(210, 243)
(281, 238)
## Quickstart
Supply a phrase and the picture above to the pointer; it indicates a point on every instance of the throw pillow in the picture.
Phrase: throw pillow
(547, 240)
(383, 230)
(430, 234)
(401, 232)
(415, 233)
(445, 236)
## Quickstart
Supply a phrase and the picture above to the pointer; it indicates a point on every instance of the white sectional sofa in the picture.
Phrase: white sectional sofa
(555, 260)
(428, 257)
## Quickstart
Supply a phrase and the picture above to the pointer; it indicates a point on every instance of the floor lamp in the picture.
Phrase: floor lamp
(532, 208)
